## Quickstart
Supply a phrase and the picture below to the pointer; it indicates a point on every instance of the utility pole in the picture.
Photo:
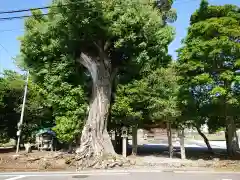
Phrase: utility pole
(22, 114)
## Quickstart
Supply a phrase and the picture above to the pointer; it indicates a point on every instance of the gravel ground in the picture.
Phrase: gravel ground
(56, 161)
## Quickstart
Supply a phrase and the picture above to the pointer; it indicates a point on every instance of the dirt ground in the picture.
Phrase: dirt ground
(61, 161)
(35, 161)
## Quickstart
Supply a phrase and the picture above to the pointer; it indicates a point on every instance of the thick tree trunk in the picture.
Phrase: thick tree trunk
(95, 141)
(231, 137)
(205, 139)
(170, 145)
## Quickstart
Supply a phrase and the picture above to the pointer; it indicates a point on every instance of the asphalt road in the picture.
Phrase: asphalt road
(122, 175)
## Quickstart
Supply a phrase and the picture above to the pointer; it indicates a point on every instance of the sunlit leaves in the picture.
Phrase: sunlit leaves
(151, 99)
(202, 79)
(208, 63)
(132, 34)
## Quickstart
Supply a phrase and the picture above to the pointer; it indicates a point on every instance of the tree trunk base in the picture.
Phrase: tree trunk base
(97, 153)
(99, 161)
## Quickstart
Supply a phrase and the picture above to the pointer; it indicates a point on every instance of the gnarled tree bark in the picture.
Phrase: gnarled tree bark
(96, 145)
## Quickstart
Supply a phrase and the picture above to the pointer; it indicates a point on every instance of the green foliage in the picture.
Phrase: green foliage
(69, 111)
(163, 88)
(132, 35)
(67, 128)
(11, 91)
(151, 99)
(35, 115)
(168, 14)
(208, 62)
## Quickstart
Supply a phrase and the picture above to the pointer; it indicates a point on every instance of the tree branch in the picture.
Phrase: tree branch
(106, 45)
(103, 56)
(90, 64)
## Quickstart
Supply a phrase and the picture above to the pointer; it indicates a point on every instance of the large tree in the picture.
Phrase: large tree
(209, 60)
(36, 114)
(107, 38)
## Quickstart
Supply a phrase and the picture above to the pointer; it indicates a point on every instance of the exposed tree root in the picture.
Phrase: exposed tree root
(100, 162)
(97, 152)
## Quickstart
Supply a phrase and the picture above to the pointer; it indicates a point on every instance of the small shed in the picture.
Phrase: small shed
(45, 139)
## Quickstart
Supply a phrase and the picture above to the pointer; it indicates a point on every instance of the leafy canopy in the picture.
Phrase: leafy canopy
(132, 35)
(149, 100)
(123, 30)
(208, 63)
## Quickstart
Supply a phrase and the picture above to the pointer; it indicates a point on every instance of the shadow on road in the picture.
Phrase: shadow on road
(193, 153)
(7, 150)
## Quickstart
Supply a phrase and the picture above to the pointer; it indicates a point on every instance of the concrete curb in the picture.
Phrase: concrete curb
(123, 171)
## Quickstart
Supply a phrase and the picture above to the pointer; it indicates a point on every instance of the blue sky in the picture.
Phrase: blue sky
(10, 30)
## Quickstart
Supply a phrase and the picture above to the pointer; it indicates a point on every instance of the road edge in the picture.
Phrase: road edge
(179, 171)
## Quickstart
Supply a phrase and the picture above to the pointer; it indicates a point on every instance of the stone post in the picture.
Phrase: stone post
(124, 140)
(28, 147)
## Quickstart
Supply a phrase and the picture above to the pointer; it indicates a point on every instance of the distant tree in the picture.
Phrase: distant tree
(149, 100)
(36, 114)
(11, 89)
(208, 62)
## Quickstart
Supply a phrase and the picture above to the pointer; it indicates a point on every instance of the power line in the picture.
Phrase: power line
(5, 49)
(44, 14)
(21, 17)
(36, 8)
(47, 7)
(26, 16)
(24, 10)
(10, 30)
